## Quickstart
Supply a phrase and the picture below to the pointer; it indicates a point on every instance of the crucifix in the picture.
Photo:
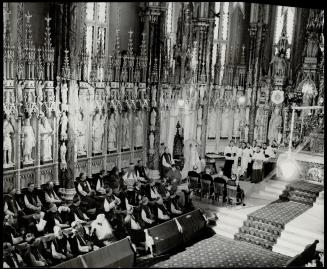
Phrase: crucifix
(130, 32)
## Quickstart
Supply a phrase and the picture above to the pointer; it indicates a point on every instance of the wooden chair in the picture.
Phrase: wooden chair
(231, 194)
(205, 188)
(218, 191)
(194, 185)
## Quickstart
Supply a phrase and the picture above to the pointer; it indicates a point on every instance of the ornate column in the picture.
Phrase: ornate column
(153, 19)
(257, 33)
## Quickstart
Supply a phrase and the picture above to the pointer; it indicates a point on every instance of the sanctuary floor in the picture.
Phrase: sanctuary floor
(263, 206)
(219, 251)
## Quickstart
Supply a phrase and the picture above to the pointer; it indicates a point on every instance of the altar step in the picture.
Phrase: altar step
(302, 192)
(229, 222)
(303, 230)
(270, 189)
(254, 240)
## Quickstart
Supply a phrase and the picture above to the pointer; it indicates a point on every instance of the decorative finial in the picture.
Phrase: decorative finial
(243, 55)
(28, 17)
(48, 19)
(66, 68)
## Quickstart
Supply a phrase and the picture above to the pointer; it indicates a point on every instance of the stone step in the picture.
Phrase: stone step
(254, 240)
(263, 226)
(224, 233)
(263, 196)
(232, 212)
(285, 250)
(230, 220)
(291, 230)
(278, 185)
(274, 189)
(259, 233)
(227, 228)
(297, 242)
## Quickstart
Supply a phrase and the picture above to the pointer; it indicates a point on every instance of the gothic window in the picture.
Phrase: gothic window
(284, 15)
(97, 28)
(221, 35)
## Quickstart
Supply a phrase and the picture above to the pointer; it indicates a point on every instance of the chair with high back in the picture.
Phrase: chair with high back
(218, 191)
(194, 185)
(205, 188)
(232, 194)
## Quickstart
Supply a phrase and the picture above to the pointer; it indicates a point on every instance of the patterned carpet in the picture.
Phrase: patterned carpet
(219, 251)
(303, 192)
(264, 226)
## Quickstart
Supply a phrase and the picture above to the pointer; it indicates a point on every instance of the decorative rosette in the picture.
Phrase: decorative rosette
(277, 97)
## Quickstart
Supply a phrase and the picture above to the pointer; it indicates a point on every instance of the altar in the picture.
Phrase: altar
(310, 164)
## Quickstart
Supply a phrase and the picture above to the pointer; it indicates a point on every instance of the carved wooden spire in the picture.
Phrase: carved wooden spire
(29, 49)
(66, 67)
(9, 49)
(48, 52)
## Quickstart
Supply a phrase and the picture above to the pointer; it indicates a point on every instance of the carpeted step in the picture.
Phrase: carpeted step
(254, 240)
(306, 187)
(259, 233)
(263, 227)
(304, 193)
(266, 221)
(297, 199)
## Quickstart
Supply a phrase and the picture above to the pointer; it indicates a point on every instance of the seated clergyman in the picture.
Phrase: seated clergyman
(240, 193)
(60, 247)
(11, 258)
(80, 240)
(31, 199)
(76, 212)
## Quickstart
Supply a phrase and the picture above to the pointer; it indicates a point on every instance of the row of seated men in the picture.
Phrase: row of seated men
(104, 209)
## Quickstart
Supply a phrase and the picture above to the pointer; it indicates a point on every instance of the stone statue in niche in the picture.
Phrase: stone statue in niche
(64, 92)
(39, 92)
(198, 133)
(153, 117)
(274, 124)
(255, 133)
(246, 132)
(64, 126)
(163, 126)
(151, 142)
(138, 129)
(242, 117)
(126, 131)
(112, 134)
(278, 66)
(81, 130)
(98, 132)
(312, 48)
(200, 115)
(8, 130)
(46, 133)
(20, 86)
(248, 96)
(226, 123)
(63, 150)
(212, 123)
(28, 141)
(154, 96)
(236, 123)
